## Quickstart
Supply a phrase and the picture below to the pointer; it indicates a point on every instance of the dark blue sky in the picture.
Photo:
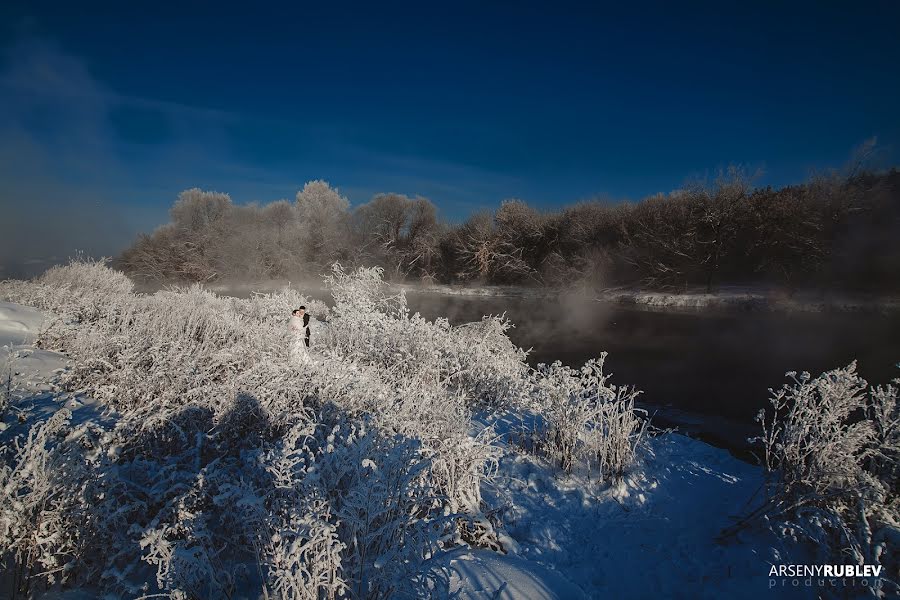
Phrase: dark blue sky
(120, 106)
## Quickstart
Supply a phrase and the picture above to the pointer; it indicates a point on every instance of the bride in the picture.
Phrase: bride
(299, 328)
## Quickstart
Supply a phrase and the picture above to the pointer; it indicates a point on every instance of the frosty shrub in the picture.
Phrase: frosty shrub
(424, 377)
(180, 494)
(41, 529)
(477, 359)
(583, 418)
(6, 380)
(272, 307)
(832, 450)
(84, 290)
(222, 467)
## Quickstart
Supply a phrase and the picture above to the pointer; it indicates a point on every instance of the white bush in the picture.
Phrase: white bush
(583, 418)
(832, 449)
(42, 502)
(225, 465)
(6, 380)
(85, 290)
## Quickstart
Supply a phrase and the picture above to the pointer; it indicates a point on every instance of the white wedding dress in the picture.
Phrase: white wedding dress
(299, 351)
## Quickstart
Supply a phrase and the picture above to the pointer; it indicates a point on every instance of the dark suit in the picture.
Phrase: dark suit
(306, 325)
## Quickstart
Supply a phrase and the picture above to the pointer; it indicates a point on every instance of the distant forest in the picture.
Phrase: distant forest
(833, 232)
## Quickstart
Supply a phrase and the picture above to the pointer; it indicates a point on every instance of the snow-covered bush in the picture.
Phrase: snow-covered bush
(583, 418)
(42, 502)
(884, 412)
(832, 446)
(375, 327)
(423, 379)
(273, 306)
(84, 290)
(383, 495)
(6, 380)
(223, 465)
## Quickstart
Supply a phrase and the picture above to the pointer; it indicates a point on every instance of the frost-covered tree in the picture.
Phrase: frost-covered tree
(323, 218)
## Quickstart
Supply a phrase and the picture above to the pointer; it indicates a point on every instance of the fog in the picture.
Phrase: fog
(55, 163)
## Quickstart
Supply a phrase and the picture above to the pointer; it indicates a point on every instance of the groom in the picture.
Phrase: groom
(300, 313)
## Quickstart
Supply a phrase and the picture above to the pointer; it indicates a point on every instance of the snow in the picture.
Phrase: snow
(19, 327)
(36, 393)
(484, 575)
(19, 324)
(651, 534)
(747, 300)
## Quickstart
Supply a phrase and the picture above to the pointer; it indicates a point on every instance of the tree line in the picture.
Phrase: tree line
(832, 231)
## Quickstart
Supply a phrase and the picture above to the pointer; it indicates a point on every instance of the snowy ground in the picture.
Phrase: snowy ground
(652, 535)
(19, 324)
(34, 371)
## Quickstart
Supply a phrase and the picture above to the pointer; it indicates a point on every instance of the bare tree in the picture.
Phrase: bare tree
(838, 228)
(401, 231)
(477, 244)
(719, 207)
(518, 246)
(661, 240)
(786, 234)
(198, 211)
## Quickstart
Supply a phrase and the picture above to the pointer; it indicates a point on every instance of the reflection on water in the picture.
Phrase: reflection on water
(709, 373)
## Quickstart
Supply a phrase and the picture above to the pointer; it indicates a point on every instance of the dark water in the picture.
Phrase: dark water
(708, 373)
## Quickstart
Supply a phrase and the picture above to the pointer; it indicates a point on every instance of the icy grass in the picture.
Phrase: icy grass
(229, 470)
(6, 380)
(832, 453)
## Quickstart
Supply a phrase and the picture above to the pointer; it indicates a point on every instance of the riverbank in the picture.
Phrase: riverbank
(731, 299)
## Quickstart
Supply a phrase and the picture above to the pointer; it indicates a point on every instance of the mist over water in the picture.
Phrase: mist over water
(708, 373)
(668, 351)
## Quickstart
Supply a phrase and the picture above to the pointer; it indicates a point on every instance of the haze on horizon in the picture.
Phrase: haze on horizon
(107, 113)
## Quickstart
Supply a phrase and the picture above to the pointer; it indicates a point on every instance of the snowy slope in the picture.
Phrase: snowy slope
(33, 368)
(34, 371)
(19, 324)
(653, 535)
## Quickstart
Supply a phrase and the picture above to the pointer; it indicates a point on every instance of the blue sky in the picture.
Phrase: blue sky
(108, 110)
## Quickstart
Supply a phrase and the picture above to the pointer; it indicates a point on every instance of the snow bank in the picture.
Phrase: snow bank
(747, 301)
(33, 372)
(484, 575)
(19, 324)
(652, 535)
